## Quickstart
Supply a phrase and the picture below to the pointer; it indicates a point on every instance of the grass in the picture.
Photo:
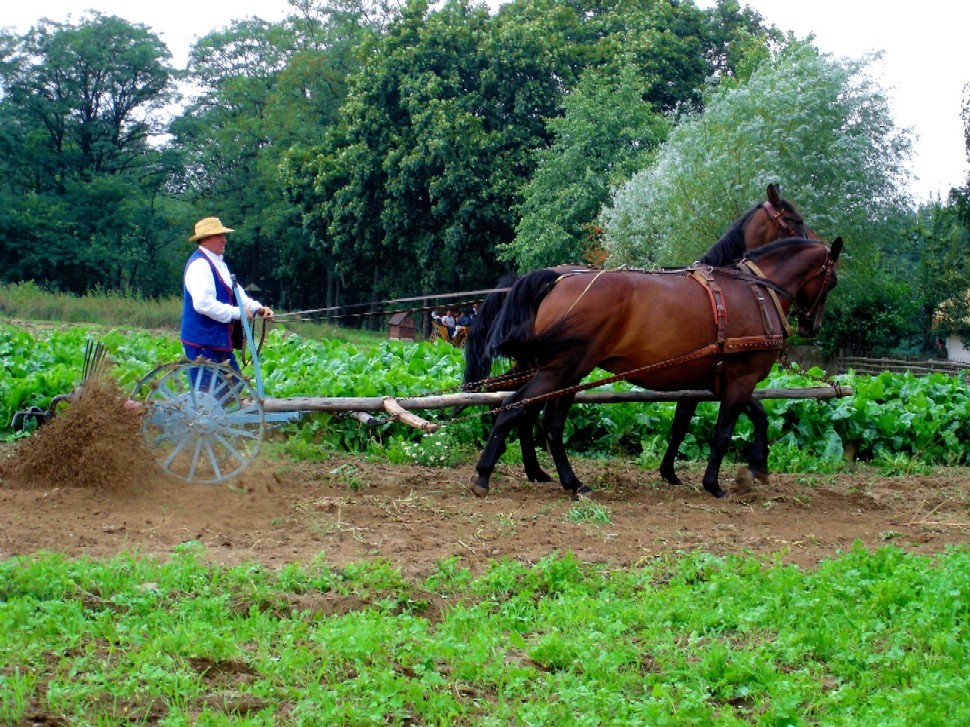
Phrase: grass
(869, 638)
(28, 301)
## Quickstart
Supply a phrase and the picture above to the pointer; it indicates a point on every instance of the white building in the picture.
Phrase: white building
(955, 350)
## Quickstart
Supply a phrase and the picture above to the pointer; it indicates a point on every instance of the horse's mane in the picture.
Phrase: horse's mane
(779, 244)
(731, 245)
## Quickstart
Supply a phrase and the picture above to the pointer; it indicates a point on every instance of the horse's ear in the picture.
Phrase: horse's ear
(836, 248)
(774, 196)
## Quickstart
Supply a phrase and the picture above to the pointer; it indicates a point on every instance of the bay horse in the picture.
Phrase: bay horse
(774, 219)
(718, 329)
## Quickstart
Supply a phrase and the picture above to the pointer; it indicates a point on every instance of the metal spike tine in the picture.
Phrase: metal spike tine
(87, 360)
(94, 353)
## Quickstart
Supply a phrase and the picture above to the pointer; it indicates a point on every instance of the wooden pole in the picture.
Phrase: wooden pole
(496, 398)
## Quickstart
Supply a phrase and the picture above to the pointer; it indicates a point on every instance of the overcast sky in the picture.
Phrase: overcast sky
(924, 70)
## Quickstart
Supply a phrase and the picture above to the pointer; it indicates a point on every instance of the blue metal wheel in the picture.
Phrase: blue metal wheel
(203, 420)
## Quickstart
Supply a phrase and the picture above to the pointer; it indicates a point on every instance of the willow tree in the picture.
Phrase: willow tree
(817, 125)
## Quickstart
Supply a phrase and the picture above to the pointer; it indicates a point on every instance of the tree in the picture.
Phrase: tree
(79, 106)
(264, 90)
(818, 126)
(419, 182)
(445, 125)
(944, 264)
(821, 128)
(646, 59)
(606, 133)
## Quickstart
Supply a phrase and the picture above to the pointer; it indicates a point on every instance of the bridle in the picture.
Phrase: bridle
(826, 270)
(779, 219)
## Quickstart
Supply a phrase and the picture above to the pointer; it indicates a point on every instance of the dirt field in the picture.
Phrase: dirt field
(85, 487)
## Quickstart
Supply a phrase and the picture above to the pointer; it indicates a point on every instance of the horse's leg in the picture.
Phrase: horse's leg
(506, 420)
(555, 423)
(678, 430)
(530, 460)
(758, 452)
(727, 417)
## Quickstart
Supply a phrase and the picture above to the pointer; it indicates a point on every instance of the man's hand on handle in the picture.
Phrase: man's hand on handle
(265, 312)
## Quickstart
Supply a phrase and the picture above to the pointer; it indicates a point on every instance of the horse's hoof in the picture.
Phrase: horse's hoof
(539, 476)
(580, 493)
(670, 477)
(716, 491)
(763, 477)
(478, 488)
(743, 481)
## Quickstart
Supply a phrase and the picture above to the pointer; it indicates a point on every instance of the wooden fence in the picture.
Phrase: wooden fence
(809, 356)
(917, 367)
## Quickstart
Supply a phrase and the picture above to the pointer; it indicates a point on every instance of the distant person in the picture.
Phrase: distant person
(465, 319)
(448, 321)
(209, 305)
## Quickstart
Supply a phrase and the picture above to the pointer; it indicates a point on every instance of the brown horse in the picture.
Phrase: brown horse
(774, 219)
(719, 329)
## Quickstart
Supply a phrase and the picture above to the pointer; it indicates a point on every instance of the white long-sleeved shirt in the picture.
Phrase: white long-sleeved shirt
(202, 287)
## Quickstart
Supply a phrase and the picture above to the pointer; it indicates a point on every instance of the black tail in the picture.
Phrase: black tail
(513, 329)
(478, 357)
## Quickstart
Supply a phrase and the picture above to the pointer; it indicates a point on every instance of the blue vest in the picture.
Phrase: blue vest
(200, 330)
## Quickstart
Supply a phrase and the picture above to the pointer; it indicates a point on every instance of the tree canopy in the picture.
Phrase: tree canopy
(79, 177)
(371, 149)
(810, 122)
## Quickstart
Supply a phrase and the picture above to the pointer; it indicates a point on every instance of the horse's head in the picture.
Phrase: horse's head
(775, 219)
(810, 297)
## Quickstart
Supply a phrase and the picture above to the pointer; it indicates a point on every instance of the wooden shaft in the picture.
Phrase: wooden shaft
(496, 398)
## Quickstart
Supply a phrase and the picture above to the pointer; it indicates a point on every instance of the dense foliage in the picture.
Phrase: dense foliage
(898, 421)
(798, 119)
(372, 149)
(79, 179)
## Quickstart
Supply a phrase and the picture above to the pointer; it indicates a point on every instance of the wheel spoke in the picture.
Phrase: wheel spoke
(232, 451)
(213, 460)
(178, 448)
(203, 421)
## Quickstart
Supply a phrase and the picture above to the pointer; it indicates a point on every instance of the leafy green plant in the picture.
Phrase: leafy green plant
(912, 421)
(866, 638)
(433, 450)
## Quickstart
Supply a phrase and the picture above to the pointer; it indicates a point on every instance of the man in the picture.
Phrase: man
(209, 305)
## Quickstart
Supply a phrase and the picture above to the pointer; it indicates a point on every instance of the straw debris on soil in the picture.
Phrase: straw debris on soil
(93, 442)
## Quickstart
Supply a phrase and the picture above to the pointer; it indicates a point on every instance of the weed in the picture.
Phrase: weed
(347, 477)
(589, 511)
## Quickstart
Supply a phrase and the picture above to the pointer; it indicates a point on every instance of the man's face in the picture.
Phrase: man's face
(214, 243)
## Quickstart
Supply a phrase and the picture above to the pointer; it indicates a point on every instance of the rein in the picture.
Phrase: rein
(259, 346)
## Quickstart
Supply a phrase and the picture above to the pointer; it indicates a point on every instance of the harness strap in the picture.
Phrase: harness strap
(778, 219)
(774, 298)
(705, 276)
(585, 290)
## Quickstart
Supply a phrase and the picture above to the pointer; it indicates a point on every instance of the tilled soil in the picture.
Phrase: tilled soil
(85, 484)
(346, 510)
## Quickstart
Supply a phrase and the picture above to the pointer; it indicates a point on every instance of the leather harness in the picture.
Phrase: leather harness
(776, 326)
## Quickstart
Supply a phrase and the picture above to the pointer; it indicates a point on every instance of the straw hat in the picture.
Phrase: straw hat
(208, 227)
